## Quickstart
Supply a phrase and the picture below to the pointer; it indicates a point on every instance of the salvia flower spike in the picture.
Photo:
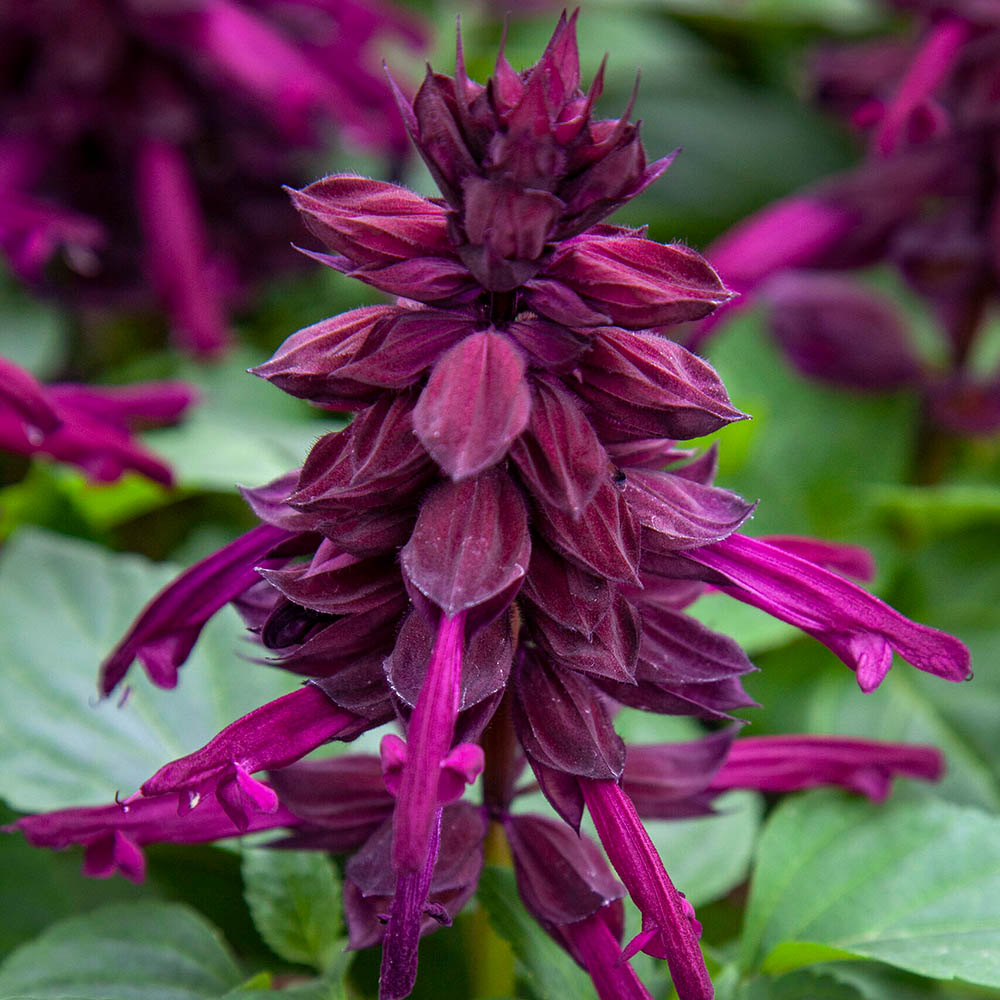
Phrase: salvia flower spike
(497, 552)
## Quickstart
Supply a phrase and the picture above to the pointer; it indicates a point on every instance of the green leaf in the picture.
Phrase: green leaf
(804, 688)
(808, 451)
(32, 335)
(791, 955)
(328, 987)
(755, 630)
(549, 972)
(708, 856)
(914, 883)
(66, 604)
(294, 897)
(243, 430)
(804, 985)
(136, 951)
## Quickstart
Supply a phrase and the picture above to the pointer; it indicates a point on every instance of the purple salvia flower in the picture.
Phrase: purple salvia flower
(851, 560)
(429, 899)
(272, 736)
(862, 630)
(792, 763)
(423, 784)
(175, 234)
(91, 427)
(402, 932)
(166, 631)
(613, 977)
(112, 836)
(929, 68)
(675, 780)
(668, 925)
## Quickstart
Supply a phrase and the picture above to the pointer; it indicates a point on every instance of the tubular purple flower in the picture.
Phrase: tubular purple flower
(164, 634)
(929, 68)
(370, 885)
(668, 925)
(613, 977)
(142, 404)
(851, 560)
(402, 933)
(88, 426)
(261, 62)
(862, 630)
(792, 763)
(176, 239)
(112, 836)
(790, 233)
(430, 733)
(275, 735)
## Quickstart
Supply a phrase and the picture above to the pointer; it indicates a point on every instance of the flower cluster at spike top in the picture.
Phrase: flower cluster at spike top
(926, 201)
(201, 110)
(496, 555)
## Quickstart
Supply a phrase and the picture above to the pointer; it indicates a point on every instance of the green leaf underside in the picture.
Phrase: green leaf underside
(914, 883)
(294, 897)
(72, 604)
(136, 951)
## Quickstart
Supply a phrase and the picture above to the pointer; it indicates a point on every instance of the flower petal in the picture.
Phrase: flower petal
(637, 282)
(652, 387)
(792, 763)
(663, 909)
(164, 634)
(563, 723)
(862, 630)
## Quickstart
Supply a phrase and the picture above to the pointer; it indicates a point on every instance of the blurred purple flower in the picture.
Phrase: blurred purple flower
(200, 110)
(925, 201)
(88, 426)
(498, 549)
